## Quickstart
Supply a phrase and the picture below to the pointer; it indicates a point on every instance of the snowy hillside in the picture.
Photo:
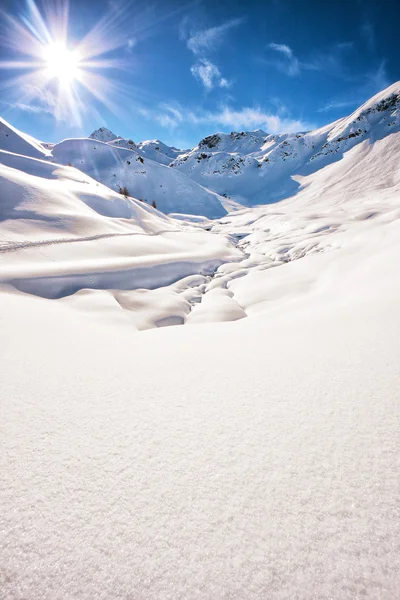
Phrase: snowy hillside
(255, 168)
(13, 140)
(152, 149)
(119, 167)
(61, 231)
(250, 452)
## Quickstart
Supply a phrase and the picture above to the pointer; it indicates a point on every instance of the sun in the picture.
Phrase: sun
(61, 63)
(65, 75)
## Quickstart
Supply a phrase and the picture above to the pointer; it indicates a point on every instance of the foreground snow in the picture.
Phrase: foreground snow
(252, 459)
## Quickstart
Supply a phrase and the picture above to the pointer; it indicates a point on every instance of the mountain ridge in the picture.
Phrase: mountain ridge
(255, 167)
(225, 170)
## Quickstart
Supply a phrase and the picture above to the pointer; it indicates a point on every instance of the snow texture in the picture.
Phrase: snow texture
(196, 408)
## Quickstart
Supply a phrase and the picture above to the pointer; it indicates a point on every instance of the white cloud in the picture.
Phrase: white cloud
(290, 64)
(209, 74)
(330, 61)
(335, 104)
(249, 118)
(205, 40)
(170, 116)
(282, 48)
(29, 108)
(36, 99)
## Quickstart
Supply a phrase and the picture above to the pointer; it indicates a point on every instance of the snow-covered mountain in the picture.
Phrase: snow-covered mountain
(255, 168)
(103, 135)
(158, 151)
(121, 168)
(251, 452)
(345, 162)
(153, 149)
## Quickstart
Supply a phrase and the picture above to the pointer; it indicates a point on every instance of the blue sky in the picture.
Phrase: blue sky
(178, 70)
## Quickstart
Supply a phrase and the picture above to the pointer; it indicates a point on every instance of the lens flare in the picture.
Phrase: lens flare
(69, 78)
(60, 74)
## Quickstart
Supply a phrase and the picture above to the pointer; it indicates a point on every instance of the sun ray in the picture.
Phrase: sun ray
(61, 68)
(62, 73)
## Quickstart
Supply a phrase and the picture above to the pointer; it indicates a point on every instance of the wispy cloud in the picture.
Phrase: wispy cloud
(28, 107)
(377, 79)
(250, 118)
(36, 99)
(209, 74)
(168, 116)
(203, 41)
(336, 104)
(330, 61)
(172, 115)
(291, 63)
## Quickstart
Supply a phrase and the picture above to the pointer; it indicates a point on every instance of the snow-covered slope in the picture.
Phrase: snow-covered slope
(253, 458)
(13, 140)
(119, 167)
(156, 150)
(61, 231)
(255, 168)
(152, 149)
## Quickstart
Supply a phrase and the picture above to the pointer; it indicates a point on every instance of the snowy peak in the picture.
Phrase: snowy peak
(245, 142)
(246, 167)
(158, 151)
(381, 110)
(123, 143)
(151, 149)
(103, 135)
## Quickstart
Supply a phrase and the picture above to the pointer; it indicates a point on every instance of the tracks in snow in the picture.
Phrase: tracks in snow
(202, 287)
